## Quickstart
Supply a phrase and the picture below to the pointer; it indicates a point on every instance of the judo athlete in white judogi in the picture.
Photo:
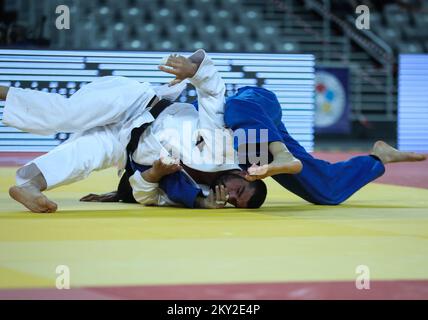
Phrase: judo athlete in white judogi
(101, 116)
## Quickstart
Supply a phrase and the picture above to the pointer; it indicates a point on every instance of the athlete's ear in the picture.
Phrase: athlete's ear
(242, 173)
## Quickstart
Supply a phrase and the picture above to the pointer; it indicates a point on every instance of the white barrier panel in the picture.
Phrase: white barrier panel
(413, 103)
(290, 76)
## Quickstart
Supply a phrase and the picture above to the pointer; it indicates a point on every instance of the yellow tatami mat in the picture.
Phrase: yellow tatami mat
(382, 227)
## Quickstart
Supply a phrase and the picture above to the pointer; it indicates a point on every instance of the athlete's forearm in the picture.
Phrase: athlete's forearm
(199, 202)
(3, 92)
(151, 176)
(160, 169)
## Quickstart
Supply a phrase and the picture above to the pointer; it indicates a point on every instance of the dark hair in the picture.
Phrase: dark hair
(259, 196)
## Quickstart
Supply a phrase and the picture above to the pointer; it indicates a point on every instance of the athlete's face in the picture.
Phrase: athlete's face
(239, 190)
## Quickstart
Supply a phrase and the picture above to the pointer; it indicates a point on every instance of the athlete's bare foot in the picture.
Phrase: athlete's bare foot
(31, 197)
(388, 154)
(283, 162)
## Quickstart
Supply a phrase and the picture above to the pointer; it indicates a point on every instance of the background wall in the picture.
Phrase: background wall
(290, 76)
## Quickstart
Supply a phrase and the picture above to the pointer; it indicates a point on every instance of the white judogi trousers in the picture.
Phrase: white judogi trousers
(100, 115)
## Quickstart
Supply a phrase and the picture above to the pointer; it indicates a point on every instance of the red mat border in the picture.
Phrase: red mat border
(335, 290)
(402, 174)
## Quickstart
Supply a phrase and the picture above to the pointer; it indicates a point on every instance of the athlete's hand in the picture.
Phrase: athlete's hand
(105, 197)
(179, 66)
(166, 166)
(161, 168)
(216, 199)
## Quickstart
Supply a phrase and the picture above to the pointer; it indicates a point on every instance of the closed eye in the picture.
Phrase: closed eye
(241, 191)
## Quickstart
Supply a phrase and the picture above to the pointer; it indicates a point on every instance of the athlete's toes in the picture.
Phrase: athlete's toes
(250, 178)
(45, 205)
(298, 166)
(256, 170)
(52, 206)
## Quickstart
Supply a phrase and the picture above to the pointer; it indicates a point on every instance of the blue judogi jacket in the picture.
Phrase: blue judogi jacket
(178, 187)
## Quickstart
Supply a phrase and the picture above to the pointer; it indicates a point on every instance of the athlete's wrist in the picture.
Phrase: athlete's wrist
(201, 202)
(150, 175)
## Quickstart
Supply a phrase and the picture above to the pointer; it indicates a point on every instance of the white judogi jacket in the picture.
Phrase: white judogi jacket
(178, 129)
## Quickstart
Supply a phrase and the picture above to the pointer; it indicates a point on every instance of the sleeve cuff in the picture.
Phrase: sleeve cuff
(10, 105)
(200, 57)
(190, 200)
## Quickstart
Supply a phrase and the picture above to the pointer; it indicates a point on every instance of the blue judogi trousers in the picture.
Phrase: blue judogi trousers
(320, 182)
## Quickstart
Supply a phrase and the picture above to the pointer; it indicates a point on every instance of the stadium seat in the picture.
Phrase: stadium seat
(118, 5)
(250, 18)
(133, 16)
(146, 3)
(257, 46)
(389, 35)
(268, 32)
(136, 44)
(172, 4)
(103, 13)
(86, 35)
(412, 33)
(375, 20)
(228, 46)
(237, 32)
(286, 47)
(210, 34)
(203, 5)
(199, 44)
(162, 15)
(179, 31)
(193, 17)
(410, 47)
(392, 8)
(232, 6)
(420, 19)
(165, 45)
(221, 17)
(148, 30)
(103, 44)
(397, 19)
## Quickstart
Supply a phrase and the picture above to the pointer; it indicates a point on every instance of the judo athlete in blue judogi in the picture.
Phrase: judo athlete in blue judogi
(319, 182)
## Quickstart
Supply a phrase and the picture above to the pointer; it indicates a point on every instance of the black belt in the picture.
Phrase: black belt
(124, 190)
(137, 132)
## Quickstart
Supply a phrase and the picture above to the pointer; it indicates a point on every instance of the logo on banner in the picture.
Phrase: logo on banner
(330, 99)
